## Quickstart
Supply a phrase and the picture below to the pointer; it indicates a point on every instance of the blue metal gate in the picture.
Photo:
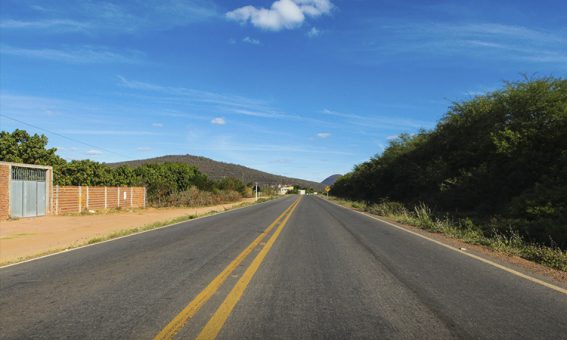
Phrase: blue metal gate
(28, 192)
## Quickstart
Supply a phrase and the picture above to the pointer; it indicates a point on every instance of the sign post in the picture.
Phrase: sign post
(327, 189)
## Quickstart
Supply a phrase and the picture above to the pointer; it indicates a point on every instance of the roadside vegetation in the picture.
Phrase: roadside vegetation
(492, 172)
(167, 184)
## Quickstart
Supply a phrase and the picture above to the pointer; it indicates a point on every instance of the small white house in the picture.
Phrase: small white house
(302, 192)
(283, 189)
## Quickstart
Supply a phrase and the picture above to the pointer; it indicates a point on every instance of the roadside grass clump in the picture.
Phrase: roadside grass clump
(551, 257)
(496, 236)
(146, 227)
(195, 197)
(14, 236)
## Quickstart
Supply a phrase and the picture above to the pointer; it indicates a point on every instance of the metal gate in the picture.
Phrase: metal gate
(28, 192)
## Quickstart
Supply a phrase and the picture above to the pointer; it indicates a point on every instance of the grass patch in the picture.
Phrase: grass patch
(421, 216)
(150, 226)
(13, 236)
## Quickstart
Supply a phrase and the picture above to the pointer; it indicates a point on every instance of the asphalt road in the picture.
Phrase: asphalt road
(318, 272)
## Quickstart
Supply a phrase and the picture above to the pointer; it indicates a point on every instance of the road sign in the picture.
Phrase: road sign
(327, 188)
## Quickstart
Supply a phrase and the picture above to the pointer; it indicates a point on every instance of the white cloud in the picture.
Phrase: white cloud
(144, 149)
(82, 55)
(251, 41)
(378, 121)
(283, 14)
(313, 32)
(115, 17)
(94, 152)
(218, 121)
(392, 137)
(58, 25)
(109, 132)
(471, 40)
(323, 135)
(157, 125)
(220, 102)
(62, 148)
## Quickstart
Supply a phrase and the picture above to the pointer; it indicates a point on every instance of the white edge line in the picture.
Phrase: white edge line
(481, 259)
(134, 234)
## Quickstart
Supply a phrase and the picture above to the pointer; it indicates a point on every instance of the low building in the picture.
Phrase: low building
(302, 192)
(284, 189)
(25, 190)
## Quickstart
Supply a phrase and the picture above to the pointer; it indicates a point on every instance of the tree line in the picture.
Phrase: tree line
(499, 159)
(166, 183)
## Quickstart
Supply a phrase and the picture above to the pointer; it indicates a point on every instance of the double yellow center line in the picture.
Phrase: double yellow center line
(214, 325)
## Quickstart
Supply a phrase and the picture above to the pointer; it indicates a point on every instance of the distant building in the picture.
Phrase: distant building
(284, 189)
(302, 192)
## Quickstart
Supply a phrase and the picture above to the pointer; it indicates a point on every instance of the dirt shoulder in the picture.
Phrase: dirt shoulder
(25, 238)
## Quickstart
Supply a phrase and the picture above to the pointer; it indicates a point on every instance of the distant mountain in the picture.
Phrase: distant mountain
(218, 170)
(331, 179)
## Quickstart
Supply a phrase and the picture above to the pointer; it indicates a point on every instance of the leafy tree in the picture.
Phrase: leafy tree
(231, 183)
(84, 172)
(124, 175)
(163, 180)
(21, 147)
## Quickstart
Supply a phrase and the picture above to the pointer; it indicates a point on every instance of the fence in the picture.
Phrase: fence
(74, 199)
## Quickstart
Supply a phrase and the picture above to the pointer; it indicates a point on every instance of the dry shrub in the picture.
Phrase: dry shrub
(193, 197)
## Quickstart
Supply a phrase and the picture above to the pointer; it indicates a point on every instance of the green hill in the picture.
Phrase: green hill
(331, 179)
(218, 170)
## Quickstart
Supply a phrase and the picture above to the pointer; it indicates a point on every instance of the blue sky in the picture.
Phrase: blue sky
(302, 88)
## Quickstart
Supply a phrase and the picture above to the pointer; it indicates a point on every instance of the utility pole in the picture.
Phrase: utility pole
(256, 191)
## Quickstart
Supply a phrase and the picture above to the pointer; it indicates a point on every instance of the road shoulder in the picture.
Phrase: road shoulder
(515, 263)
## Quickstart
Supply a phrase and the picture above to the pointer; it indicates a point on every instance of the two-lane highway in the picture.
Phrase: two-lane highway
(296, 268)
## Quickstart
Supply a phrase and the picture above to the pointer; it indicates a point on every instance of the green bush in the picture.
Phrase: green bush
(194, 197)
(500, 156)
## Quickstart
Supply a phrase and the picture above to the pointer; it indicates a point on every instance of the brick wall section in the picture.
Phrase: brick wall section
(4, 191)
(65, 199)
(74, 199)
(95, 197)
(112, 195)
(139, 197)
